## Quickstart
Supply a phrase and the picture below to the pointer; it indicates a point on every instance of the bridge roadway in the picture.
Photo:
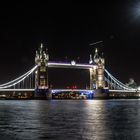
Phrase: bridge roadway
(68, 90)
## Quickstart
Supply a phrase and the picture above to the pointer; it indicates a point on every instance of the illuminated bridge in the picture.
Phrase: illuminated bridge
(36, 79)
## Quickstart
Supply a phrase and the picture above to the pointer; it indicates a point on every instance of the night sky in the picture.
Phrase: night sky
(67, 31)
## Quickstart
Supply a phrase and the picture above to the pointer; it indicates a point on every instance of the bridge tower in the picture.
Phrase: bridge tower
(41, 74)
(97, 80)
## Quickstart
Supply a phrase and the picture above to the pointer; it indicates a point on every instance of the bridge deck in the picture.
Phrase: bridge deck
(124, 91)
(17, 89)
(68, 90)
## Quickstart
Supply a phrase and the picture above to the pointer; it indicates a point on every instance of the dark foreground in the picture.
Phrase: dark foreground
(70, 119)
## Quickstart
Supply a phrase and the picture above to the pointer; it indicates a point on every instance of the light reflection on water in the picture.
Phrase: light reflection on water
(69, 119)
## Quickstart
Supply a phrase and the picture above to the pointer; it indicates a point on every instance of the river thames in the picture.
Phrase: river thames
(70, 119)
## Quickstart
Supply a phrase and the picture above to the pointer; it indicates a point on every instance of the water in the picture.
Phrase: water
(70, 119)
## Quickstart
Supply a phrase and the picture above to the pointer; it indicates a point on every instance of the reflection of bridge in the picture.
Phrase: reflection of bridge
(36, 79)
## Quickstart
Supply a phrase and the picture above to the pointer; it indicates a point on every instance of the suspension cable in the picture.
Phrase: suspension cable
(6, 84)
(20, 80)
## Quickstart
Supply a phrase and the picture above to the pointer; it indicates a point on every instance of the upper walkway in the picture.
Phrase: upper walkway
(73, 64)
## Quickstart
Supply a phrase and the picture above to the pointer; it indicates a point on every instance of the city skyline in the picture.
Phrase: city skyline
(68, 37)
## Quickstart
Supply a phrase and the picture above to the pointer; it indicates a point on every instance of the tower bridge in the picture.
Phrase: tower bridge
(36, 80)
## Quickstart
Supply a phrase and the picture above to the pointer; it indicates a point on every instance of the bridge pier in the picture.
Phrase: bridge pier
(42, 90)
(101, 94)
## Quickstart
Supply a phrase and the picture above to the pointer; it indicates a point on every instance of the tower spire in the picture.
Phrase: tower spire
(90, 60)
(96, 56)
(41, 46)
(96, 50)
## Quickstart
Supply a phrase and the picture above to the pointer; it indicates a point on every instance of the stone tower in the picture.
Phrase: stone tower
(41, 74)
(97, 79)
